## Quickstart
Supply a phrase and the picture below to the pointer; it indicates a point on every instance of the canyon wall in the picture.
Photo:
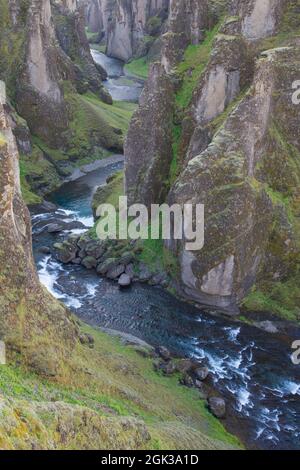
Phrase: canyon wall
(128, 28)
(32, 323)
(46, 63)
(63, 383)
(235, 145)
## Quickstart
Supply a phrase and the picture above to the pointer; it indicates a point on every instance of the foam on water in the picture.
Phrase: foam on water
(48, 275)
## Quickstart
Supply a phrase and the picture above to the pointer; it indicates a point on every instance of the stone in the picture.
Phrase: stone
(115, 272)
(65, 252)
(203, 390)
(127, 258)
(94, 249)
(187, 381)
(168, 368)
(144, 273)
(86, 339)
(106, 266)
(217, 406)
(130, 271)
(267, 326)
(45, 250)
(47, 206)
(89, 262)
(184, 365)
(125, 280)
(201, 373)
(164, 353)
(55, 228)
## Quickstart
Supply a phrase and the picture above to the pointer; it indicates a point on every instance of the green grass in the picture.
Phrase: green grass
(138, 68)
(2, 140)
(279, 298)
(117, 115)
(195, 59)
(98, 47)
(157, 257)
(125, 383)
(289, 28)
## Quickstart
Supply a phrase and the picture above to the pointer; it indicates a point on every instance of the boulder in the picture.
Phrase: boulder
(106, 266)
(125, 280)
(45, 250)
(168, 368)
(201, 373)
(144, 273)
(127, 258)
(217, 406)
(267, 326)
(184, 365)
(187, 381)
(130, 271)
(115, 272)
(94, 249)
(89, 262)
(203, 390)
(65, 252)
(61, 226)
(164, 353)
(55, 228)
(87, 339)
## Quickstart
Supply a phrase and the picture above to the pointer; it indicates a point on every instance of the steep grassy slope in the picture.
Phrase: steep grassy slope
(108, 397)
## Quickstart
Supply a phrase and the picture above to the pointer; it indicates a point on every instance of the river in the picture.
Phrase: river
(251, 368)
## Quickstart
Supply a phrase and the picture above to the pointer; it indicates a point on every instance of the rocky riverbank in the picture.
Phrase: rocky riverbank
(114, 260)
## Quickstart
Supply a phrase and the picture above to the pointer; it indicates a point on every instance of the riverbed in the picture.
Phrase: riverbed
(252, 369)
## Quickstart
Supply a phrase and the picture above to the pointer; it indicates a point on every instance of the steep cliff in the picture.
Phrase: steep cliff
(235, 149)
(32, 323)
(128, 28)
(68, 386)
(58, 101)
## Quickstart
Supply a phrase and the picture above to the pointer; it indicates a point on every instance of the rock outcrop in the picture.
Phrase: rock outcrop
(148, 146)
(128, 28)
(32, 323)
(232, 155)
(186, 25)
(53, 363)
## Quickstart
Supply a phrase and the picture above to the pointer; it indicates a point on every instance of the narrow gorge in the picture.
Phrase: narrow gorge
(143, 344)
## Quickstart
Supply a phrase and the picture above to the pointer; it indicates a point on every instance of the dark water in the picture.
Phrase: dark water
(251, 368)
(120, 85)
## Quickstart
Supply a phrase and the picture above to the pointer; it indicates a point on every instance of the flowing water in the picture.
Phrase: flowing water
(251, 368)
(121, 85)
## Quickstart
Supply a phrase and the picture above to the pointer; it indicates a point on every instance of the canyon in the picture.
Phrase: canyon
(215, 125)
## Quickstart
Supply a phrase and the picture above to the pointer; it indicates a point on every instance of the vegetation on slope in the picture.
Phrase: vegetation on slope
(138, 67)
(129, 404)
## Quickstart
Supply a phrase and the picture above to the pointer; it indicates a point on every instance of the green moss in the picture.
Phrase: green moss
(120, 382)
(138, 67)
(175, 167)
(98, 47)
(289, 27)
(12, 44)
(2, 140)
(28, 196)
(193, 65)
(279, 298)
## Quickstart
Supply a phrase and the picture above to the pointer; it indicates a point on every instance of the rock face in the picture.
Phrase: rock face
(127, 26)
(31, 321)
(39, 85)
(235, 158)
(186, 24)
(148, 146)
(50, 47)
